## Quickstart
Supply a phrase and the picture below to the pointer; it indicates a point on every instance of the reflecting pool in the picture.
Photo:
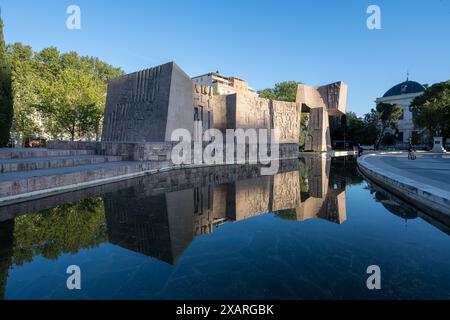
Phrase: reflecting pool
(309, 232)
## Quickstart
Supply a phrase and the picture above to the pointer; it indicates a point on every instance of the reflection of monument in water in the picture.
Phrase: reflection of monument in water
(322, 201)
(163, 226)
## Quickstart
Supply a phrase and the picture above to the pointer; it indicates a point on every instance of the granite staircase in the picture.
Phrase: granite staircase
(34, 173)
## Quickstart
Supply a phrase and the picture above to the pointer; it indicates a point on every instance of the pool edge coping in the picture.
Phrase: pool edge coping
(424, 196)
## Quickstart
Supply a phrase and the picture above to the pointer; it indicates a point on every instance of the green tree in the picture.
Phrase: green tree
(60, 95)
(384, 117)
(267, 94)
(431, 110)
(24, 91)
(73, 103)
(6, 99)
(356, 129)
(63, 229)
(47, 63)
(287, 91)
(283, 91)
(349, 127)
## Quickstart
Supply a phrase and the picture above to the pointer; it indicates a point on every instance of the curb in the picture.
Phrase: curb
(423, 196)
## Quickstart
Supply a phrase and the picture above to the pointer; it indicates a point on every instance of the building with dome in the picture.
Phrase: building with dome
(402, 94)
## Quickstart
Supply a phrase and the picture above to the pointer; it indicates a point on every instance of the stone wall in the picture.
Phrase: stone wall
(286, 191)
(286, 118)
(72, 145)
(202, 100)
(321, 102)
(150, 151)
(252, 112)
(319, 138)
(146, 106)
(130, 151)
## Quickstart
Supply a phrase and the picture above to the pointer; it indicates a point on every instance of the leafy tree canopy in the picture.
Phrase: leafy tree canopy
(6, 98)
(58, 95)
(283, 91)
(431, 110)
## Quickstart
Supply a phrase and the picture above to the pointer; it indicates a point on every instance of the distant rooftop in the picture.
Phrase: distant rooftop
(404, 88)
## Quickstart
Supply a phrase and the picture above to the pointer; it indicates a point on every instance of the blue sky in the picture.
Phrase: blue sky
(262, 41)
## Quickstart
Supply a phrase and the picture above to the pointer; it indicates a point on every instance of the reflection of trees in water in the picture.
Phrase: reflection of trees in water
(406, 211)
(303, 175)
(393, 204)
(50, 233)
(67, 228)
(6, 252)
(344, 172)
(289, 214)
(63, 229)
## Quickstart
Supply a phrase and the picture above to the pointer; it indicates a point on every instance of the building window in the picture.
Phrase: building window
(400, 136)
(402, 115)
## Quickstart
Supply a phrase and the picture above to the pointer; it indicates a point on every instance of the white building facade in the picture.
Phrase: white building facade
(224, 85)
(402, 94)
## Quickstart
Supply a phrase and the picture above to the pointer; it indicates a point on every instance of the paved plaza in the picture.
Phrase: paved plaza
(431, 169)
(425, 180)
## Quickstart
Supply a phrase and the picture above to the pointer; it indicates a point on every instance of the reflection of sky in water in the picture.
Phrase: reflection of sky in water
(270, 255)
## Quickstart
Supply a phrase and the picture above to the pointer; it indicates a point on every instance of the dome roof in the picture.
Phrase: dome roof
(404, 88)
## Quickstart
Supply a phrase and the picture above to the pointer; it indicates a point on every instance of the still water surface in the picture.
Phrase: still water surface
(309, 232)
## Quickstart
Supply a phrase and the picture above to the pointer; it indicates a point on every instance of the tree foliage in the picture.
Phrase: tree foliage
(287, 91)
(6, 98)
(283, 91)
(63, 229)
(73, 103)
(58, 95)
(431, 110)
(385, 116)
(349, 127)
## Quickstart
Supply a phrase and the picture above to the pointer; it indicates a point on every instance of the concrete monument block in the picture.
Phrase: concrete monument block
(146, 106)
(252, 197)
(332, 97)
(319, 138)
(286, 118)
(321, 102)
(322, 201)
(286, 191)
(248, 112)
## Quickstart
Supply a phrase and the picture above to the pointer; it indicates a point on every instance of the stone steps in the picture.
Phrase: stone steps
(19, 153)
(39, 163)
(26, 182)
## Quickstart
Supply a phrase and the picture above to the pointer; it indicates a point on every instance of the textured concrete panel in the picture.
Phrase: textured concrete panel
(319, 138)
(333, 97)
(252, 197)
(252, 112)
(286, 118)
(286, 191)
(146, 106)
(180, 113)
(321, 102)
